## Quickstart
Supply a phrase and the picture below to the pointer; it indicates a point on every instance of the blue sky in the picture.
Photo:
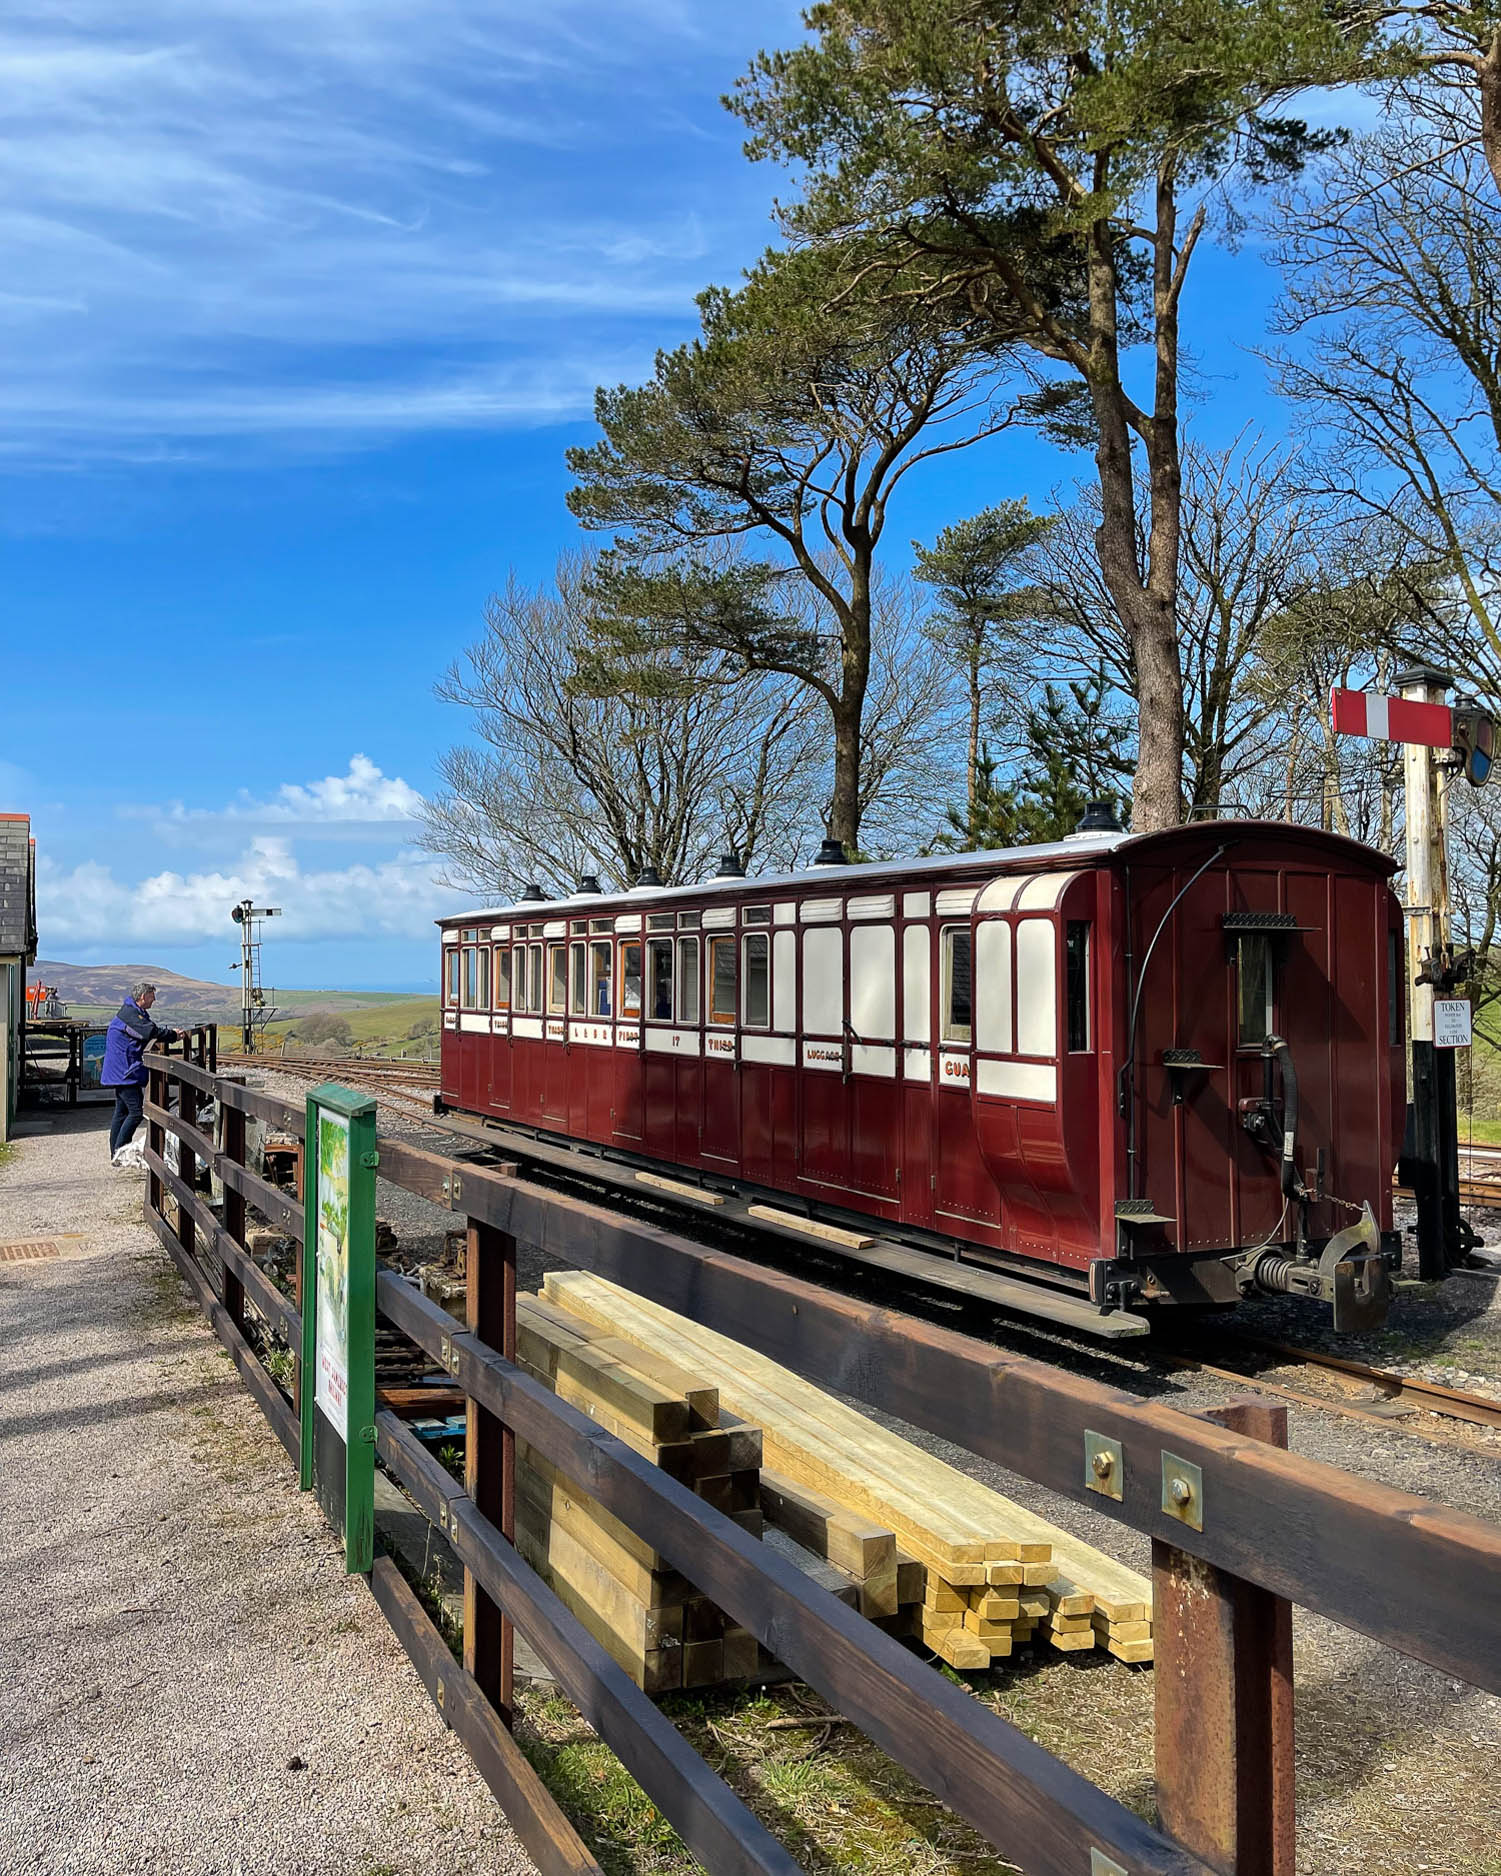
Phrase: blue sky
(300, 304)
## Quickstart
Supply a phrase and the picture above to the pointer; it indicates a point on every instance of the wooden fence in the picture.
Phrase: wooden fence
(1241, 1528)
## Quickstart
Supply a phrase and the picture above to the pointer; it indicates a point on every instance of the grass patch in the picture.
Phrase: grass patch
(836, 1801)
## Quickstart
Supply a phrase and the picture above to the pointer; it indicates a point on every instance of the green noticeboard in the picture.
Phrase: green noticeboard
(338, 1315)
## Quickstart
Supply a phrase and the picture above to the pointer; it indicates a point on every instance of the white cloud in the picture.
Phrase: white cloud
(363, 797)
(253, 852)
(89, 907)
(351, 218)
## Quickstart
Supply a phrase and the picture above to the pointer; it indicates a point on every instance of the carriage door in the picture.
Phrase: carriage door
(500, 1021)
(627, 1123)
(720, 1137)
(917, 1061)
(870, 1041)
(825, 1136)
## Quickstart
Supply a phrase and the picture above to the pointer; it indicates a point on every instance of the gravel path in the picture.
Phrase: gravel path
(188, 1680)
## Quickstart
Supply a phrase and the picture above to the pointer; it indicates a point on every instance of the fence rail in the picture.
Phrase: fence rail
(1276, 1528)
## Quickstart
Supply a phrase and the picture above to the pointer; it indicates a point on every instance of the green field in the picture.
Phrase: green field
(378, 1020)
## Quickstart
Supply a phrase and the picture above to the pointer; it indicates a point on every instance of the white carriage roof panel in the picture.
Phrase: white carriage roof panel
(822, 878)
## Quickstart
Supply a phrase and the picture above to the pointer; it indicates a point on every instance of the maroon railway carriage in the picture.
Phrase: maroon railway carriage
(1166, 1067)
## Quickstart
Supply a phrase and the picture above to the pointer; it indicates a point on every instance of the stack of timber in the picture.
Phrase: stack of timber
(971, 1573)
(651, 1619)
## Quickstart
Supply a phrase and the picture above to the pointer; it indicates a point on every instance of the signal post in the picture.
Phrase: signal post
(1435, 739)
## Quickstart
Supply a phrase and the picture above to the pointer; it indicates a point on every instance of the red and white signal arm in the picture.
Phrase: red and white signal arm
(1406, 720)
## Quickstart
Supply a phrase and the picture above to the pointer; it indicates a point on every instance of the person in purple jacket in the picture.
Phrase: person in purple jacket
(130, 1033)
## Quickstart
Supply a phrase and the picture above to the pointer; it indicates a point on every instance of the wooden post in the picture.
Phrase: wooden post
(156, 1137)
(234, 1212)
(490, 1457)
(1224, 1698)
(187, 1159)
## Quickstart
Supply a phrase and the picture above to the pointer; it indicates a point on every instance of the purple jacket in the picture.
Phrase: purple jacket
(127, 1037)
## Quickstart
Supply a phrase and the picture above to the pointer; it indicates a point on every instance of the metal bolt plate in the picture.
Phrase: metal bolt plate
(1102, 1865)
(1104, 1466)
(446, 1355)
(1182, 1491)
(442, 1693)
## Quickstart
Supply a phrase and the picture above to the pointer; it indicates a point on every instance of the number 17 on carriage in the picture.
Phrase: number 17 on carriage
(338, 1315)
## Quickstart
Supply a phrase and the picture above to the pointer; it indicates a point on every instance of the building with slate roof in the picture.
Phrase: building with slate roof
(17, 951)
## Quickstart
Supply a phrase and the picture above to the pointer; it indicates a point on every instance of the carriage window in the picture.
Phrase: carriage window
(873, 982)
(1076, 965)
(451, 976)
(688, 980)
(957, 1003)
(557, 979)
(993, 1028)
(578, 980)
(823, 982)
(518, 976)
(534, 979)
(599, 978)
(502, 978)
(1253, 958)
(1037, 987)
(659, 965)
(722, 980)
(758, 915)
(476, 970)
(630, 978)
(757, 1013)
(917, 949)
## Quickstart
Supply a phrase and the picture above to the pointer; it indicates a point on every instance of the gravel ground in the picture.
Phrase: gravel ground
(1394, 1759)
(188, 1680)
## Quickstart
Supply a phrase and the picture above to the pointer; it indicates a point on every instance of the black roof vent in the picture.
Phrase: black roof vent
(648, 876)
(1099, 817)
(531, 894)
(588, 884)
(729, 865)
(831, 853)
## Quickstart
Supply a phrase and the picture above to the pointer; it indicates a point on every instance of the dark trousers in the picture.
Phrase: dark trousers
(126, 1118)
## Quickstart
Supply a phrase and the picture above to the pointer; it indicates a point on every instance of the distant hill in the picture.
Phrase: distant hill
(89, 989)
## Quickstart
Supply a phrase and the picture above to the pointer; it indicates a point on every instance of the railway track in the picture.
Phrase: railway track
(374, 1071)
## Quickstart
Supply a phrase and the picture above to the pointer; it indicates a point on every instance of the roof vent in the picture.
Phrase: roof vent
(648, 876)
(587, 887)
(831, 853)
(730, 866)
(531, 894)
(1099, 817)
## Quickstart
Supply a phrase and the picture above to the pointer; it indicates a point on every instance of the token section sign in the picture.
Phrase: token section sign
(1452, 1028)
(338, 1315)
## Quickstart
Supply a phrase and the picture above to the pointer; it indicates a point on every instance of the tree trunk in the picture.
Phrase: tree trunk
(849, 712)
(974, 725)
(1147, 607)
(1490, 107)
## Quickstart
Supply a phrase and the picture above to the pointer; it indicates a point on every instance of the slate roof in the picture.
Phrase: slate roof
(17, 888)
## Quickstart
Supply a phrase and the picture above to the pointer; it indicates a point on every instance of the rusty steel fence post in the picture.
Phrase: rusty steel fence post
(1224, 1697)
(490, 1457)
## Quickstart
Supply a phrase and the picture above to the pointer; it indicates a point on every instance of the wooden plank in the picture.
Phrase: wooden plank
(552, 1501)
(660, 1415)
(1413, 1575)
(529, 1807)
(821, 1525)
(811, 1227)
(717, 1828)
(813, 1441)
(984, 1769)
(278, 1208)
(679, 1189)
(277, 1309)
